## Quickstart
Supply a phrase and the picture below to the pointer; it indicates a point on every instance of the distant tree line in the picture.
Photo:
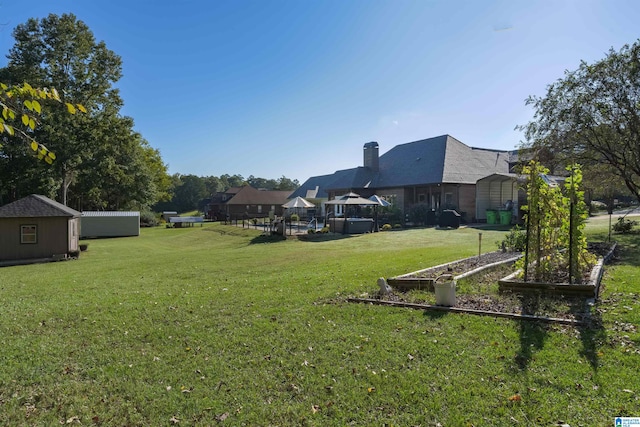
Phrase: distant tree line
(191, 192)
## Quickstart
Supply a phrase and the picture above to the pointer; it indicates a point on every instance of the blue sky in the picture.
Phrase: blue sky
(295, 88)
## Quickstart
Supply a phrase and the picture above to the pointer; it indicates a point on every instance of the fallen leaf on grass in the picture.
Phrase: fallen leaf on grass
(515, 398)
(315, 408)
(174, 420)
(73, 419)
(222, 417)
(371, 389)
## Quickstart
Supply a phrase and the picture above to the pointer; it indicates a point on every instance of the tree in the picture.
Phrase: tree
(61, 52)
(285, 183)
(592, 116)
(189, 192)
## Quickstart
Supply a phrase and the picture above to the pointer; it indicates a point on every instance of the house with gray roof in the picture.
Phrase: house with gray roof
(36, 227)
(439, 173)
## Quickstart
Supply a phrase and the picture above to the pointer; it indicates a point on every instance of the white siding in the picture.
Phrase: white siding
(110, 224)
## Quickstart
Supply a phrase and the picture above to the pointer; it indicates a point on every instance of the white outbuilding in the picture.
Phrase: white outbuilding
(109, 224)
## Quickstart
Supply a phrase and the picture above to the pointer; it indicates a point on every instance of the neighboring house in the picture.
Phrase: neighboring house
(439, 172)
(109, 224)
(246, 202)
(216, 208)
(37, 227)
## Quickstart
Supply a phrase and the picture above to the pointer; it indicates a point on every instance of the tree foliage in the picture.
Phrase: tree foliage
(100, 161)
(22, 106)
(592, 116)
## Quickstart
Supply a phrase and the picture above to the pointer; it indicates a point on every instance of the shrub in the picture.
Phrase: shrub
(386, 227)
(515, 241)
(295, 217)
(397, 225)
(623, 225)
(148, 219)
(324, 229)
(311, 231)
(418, 214)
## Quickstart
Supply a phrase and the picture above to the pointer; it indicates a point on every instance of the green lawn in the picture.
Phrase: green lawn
(218, 325)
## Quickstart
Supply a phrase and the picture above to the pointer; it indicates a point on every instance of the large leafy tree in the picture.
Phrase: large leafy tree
(189, 192)
(100, 162)
(61, 52)
(592, 116)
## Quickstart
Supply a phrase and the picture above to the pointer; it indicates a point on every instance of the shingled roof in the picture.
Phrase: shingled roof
(36, 205)
(251, 196)
(442, 159)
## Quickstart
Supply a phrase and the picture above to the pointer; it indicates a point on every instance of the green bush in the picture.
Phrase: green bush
(295, 217)
(148, 219)
(324, 229)
(623, 225)
(515, 241)
(397, 225)
(418, 214)
(386, 227)
(311, 231)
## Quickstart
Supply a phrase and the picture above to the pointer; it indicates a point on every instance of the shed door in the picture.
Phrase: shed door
(73, 234)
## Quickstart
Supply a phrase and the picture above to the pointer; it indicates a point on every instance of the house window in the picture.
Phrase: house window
(421, 198)
(448, 200)
(260, 209)
(29, 234)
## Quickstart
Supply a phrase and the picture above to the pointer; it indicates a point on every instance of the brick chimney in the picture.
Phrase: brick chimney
(371, 156)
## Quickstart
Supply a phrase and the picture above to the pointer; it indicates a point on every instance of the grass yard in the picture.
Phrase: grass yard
(215, 325)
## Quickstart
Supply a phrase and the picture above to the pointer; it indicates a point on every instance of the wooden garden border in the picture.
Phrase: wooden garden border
(404, 282)
(589, 290)
(514, 316)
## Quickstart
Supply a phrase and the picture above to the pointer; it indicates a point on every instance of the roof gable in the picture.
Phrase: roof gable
(36, 205)
(441, 159)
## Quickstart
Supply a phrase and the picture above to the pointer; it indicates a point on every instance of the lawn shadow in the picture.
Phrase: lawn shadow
(322, 237)
(263, 238)
(592, 333)
(435, 314)
(532, 333)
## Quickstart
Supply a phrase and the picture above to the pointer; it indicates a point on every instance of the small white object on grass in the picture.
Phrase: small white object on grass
(385, 289)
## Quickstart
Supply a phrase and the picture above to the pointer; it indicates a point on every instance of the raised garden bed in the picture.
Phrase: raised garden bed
(481, 294)
(424, 279)
(590, 288)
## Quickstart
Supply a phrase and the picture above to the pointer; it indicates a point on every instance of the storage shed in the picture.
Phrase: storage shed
(37, 227)
(498, 192)
(109, 224)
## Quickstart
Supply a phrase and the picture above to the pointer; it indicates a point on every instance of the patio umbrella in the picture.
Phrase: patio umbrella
(298, 202)
(352, 199)
(381, 202)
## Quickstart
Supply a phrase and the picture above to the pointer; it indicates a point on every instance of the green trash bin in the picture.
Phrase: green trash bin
(492, 216)
(505, 217)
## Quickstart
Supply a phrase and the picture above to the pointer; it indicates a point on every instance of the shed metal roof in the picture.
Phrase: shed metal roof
(110, 213)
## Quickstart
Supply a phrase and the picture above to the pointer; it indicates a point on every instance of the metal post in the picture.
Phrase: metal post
(479, 246)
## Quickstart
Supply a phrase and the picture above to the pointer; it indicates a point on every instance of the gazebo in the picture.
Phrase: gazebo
(351, 225)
